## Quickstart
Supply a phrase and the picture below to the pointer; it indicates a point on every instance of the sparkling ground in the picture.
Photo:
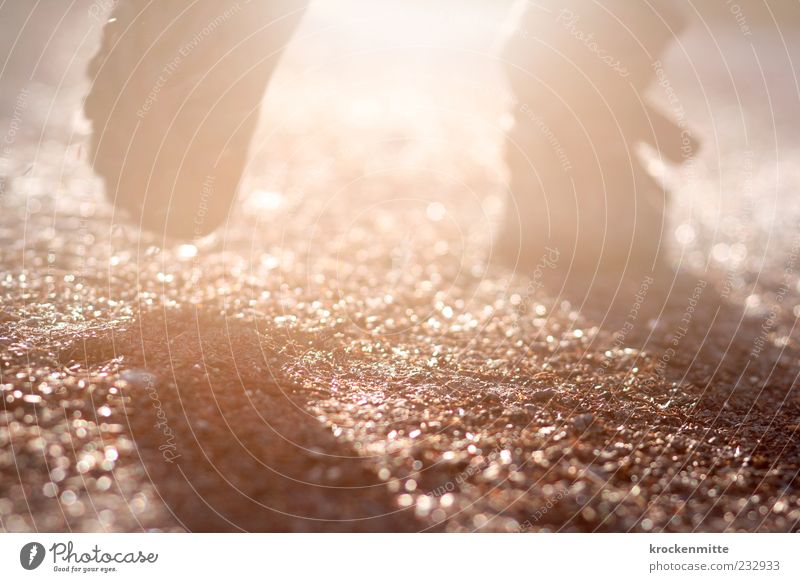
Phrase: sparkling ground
(340, 357)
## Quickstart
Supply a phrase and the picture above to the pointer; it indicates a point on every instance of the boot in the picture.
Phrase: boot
(579, 69)
(175, 98)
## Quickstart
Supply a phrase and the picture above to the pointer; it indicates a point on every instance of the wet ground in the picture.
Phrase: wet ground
(341, 358)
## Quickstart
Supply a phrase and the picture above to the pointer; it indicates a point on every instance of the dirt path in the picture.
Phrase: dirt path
(340, 358)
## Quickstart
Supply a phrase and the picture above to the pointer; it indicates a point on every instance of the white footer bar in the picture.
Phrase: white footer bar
(389, 557)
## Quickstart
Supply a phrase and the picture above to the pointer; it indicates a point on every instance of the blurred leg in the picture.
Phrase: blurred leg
(175, 98)
(39, 44)
(578, 69)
